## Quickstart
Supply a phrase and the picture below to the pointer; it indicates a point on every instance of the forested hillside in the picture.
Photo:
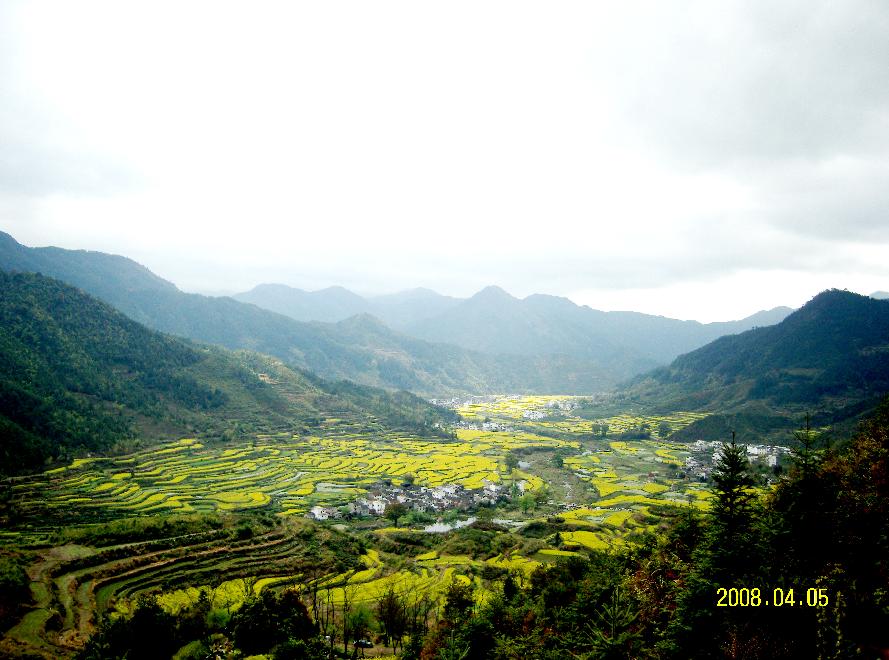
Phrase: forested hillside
(360, 349)
(488, 343)
(77, 376)
(829, 358)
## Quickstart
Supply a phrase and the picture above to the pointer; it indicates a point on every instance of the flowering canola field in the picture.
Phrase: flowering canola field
(290, 474)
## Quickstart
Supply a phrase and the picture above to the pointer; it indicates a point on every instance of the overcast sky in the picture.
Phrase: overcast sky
(694, 159)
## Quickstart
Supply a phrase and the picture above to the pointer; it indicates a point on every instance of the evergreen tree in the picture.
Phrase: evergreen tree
(725, 558)
(804, 503)
(612, 633)
(731, 511)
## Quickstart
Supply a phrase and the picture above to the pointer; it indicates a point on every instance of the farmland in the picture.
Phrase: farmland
(574, 489)
(557, 414)
(286, 474)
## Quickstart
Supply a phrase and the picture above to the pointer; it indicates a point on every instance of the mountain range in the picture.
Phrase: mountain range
(398, 310)
(491, 342)
(78, 376)
(493, 321)
(360, 348)
(830, 358)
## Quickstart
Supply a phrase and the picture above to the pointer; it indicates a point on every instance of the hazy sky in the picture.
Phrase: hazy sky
(694, 159)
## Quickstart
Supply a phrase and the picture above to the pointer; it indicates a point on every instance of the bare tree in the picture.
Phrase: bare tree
(350, 590)
(392, 615)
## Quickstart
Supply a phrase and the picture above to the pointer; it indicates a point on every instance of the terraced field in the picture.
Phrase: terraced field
(616, 486)
(628, 480)
(283, 473)
(627, 477)
(420, 579)
(73, 585)
(638, 467)
(553, 413)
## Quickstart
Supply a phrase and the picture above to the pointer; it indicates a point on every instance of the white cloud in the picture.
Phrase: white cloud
(642, 151)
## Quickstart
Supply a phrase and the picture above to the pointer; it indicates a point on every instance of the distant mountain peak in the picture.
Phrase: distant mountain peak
(493, 292)
(419, 292)
(277, 287)
(273, 286)
(551, 300)
(336, 288)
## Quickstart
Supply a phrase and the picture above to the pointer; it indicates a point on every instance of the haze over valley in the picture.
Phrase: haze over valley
(417, 340)
(476, 331)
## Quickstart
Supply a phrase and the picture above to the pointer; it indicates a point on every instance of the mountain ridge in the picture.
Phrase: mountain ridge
(381, 358)
(489, 343)
(78, 376)
(766, 316)
(494, 321)
(829, 358)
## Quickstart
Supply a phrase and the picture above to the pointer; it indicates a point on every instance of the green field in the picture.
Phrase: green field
(600, 495)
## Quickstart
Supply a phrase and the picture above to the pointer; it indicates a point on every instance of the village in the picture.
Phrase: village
(705, 454)
(435, 500)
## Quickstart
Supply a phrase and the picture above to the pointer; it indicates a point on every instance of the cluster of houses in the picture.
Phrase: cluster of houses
(484, 426)
(565, 405)
(417, 498)
(461, 401)
(705, 454)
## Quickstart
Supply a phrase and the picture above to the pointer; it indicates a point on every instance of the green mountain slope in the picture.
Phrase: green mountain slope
(421, 366)
(831, 358)
(362, 350)
(77, 376)
(106, 276)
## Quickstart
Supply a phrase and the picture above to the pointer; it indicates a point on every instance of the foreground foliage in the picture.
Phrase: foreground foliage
(660, 600)
(657, 599)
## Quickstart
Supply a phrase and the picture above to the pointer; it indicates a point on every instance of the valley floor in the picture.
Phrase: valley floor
(524, 482)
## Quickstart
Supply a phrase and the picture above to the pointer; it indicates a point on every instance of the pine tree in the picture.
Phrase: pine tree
(731, 509)
(725, 557)
(804, 501)
(612, 635)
